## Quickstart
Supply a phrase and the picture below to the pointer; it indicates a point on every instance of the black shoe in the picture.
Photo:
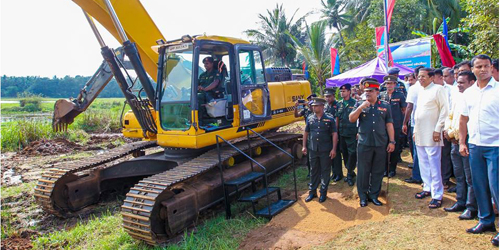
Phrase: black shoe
(411, 180)
(392, 174)
(363, 203)
(468, 215)
(452, 190)
(455, 208)
(481, 228)
(350, 182)
(311, 196)
(337, 178)
(375, 202)
(322, 198)
(494, 241)
(385, 174)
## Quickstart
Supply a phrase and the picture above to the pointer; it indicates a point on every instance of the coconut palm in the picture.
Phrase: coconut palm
(316, 51)
(272, 38)
(334, 13)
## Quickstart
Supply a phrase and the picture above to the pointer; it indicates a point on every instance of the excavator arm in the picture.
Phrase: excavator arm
(65, 110)
(131, 25)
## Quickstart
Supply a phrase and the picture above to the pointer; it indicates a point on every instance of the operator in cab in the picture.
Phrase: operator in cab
(208, 84)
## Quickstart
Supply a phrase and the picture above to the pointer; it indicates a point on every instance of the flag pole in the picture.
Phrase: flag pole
(386, 37)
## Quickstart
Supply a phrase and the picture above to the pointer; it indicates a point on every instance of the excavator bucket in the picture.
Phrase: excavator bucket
(65, 112)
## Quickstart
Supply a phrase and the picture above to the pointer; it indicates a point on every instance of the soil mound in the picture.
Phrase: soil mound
(50, 147)
(19, 242)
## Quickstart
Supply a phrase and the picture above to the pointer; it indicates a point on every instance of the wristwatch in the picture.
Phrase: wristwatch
(393, 142)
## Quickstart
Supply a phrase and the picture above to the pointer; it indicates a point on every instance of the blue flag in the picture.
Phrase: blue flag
(445, 32)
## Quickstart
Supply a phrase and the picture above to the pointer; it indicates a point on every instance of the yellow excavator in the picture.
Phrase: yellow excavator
(211, 150)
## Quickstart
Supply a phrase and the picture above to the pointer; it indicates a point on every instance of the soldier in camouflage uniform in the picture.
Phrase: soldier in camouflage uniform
(331, 108)
(347, 132)
(305, 112)
(321, 134)
(397, 101)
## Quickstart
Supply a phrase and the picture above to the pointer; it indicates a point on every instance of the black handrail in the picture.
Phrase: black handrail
(284, 151)
(228, 209)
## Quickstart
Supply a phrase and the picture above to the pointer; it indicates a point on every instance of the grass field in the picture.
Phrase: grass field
(102, 116)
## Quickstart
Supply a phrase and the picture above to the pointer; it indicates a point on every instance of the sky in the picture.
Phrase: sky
(52, 37)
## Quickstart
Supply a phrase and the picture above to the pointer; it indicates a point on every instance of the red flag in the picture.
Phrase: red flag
(379, 38)
(390, 8)
(445, 53)
(379, 35)
(334, 58)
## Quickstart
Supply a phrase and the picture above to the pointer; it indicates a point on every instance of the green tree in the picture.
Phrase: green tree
(272, 38)
(334, 13)
(359, 48)
(316, 52)
(482, 21)
(408, 15)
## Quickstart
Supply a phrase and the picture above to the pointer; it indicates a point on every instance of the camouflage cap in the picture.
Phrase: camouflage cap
(390, 78)
(318, 101)
(329, 91)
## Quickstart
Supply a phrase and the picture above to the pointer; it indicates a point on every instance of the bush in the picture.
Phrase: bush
(30, 102)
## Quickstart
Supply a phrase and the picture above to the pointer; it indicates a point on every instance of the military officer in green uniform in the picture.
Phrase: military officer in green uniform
(375, 139)
(321, 134)
(332, 108)
(347, 132)
(397, 101)
(208, 84)
(305, 112)
(400, 85)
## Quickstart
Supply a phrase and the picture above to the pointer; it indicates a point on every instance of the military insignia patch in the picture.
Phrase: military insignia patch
(367, 85)
(382, 109)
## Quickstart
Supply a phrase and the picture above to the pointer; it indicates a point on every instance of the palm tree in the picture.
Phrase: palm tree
(271, 35)
(334, 12)
(316, 51)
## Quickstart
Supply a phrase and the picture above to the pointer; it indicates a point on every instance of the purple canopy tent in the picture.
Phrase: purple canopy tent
(375, 68)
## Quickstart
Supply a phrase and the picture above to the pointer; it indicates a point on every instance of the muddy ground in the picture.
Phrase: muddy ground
(22, 169)
(339, 223)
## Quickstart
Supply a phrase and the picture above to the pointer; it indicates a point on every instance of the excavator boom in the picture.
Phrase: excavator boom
(136, 22)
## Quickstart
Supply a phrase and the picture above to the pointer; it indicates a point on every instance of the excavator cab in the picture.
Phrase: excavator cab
(242, 92)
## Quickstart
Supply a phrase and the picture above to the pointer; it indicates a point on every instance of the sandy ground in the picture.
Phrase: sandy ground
(340, 223)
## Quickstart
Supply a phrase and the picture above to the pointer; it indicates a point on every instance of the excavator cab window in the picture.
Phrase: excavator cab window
(175, 96)
(214, 104)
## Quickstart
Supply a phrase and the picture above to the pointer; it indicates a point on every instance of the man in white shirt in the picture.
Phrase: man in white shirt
(430, 115)
(448, 76)
(446, 164)
(480, 120)
(409, 119)
(466, 200)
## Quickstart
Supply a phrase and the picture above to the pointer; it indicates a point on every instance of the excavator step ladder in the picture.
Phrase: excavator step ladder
(272, 208)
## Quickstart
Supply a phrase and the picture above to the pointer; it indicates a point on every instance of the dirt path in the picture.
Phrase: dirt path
(339, 223)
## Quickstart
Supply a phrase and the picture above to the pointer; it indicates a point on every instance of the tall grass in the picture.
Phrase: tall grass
(18, 134)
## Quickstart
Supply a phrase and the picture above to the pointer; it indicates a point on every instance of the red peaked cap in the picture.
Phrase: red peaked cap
(370, 83)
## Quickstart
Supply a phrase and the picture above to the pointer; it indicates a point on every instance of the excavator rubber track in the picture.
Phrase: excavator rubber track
(141, 205)
(44, 190)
